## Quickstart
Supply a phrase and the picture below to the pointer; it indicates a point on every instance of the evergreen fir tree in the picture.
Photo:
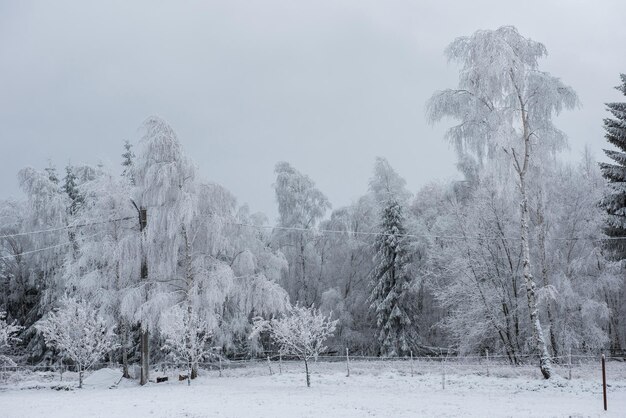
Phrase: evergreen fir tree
(390, 283)
(70, 187)
(127, 162)
(614, 202)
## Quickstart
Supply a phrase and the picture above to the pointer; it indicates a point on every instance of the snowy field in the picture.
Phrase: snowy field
(373, 390)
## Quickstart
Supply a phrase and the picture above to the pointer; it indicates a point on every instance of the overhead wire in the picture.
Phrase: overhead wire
(62, 228)
(329, 231)
(426, 235)
(45, 248)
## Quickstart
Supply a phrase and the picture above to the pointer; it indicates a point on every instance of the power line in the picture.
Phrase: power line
(331, 231)
(18, 234)
(45, 248)
(426, 235)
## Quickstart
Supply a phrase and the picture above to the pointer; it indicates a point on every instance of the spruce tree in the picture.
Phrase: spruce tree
(70, 187)
(128, 161)
(614, 201)
(390, 282)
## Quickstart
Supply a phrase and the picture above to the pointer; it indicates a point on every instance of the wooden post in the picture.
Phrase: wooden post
(269, 365)
(569, 365)
(347, 363)
(411, 363)
(220, 358)
(487, 360)
(604, 381)
(443, 371)
(145, 335)
(280, 363)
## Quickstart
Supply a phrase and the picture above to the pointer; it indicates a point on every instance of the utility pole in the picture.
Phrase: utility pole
(145, 335)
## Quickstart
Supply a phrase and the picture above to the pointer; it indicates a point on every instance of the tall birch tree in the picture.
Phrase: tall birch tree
(505, 104)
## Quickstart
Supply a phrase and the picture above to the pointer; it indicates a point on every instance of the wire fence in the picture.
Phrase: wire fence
(567, 367)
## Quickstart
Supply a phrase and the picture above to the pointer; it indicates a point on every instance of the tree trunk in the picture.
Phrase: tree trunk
(80, 377)
(544, 270)
(308, 377)
(124, 329)
(145, 356)
(545, 364)
(305, 286)
(544, 357)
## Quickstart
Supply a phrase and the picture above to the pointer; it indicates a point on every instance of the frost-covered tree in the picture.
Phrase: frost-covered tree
(300, 332)
(504, 103)
(614, 203)
(390, 283)
(70, 188)
(8, 337)
(300, 206)
(128, 160)
(349, 260)
(187, 337)
(580, 278)
(107, 265)
(386, 184)
(77, 330)
(36, 276)
(255, 290)
(164, 195)
(390, 279)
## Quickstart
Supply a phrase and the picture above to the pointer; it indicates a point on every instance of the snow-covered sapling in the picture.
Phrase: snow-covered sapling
(79, 332)
(300, 332)
(186, 338)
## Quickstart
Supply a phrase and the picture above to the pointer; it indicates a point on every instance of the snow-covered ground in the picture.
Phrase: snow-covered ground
(371, 390)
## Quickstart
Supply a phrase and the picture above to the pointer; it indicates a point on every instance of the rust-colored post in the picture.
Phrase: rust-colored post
(604, 381)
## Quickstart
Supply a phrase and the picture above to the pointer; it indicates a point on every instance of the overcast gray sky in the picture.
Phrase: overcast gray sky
(325, 85)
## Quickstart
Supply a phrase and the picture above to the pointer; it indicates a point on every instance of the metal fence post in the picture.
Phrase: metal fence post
(604, 381)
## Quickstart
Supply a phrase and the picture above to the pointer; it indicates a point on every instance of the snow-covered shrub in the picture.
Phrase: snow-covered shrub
(186, 337)
(7, 337)
(300, 332)
(79, 333)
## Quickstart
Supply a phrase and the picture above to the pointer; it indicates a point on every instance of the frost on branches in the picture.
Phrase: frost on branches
(614, 203)
(7, 337)
(390, 281)
(504, 105)
(79, 333)
(300, 332)
(186, 338)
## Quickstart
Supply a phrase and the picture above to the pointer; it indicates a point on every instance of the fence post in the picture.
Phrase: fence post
(443, 371)
(411, 363)
(280, 363)
(604, 381)
(220, 357)
(269, 365)
(347, 363)
(569, 363)
(487, 360)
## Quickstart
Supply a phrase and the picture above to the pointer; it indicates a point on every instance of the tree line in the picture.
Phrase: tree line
(522, 257)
